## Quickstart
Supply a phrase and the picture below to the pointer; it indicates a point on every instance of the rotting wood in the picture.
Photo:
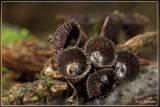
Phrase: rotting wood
(139, 42)
(35, 92)
(33, 96)
(26, 56)
(145, 62)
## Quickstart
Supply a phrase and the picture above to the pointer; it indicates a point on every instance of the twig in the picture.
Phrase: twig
(104, 26)
(70, 99)
(139, 42)
(145, 62)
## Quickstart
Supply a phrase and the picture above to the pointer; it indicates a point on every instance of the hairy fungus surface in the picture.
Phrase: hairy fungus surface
(101, 51)
(85, 21)
(73, 63)
(101, 83)
(127, 65)
(68, 35)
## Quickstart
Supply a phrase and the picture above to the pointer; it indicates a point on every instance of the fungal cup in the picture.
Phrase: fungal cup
(73, 63)
(101, 51)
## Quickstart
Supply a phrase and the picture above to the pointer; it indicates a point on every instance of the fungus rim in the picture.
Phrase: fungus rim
(81, 36)
(112, 44)
(85, 72)
(113, 85)
(123, 80)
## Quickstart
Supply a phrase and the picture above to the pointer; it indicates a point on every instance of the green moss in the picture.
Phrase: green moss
(149, 41)
(49, 82)
(37, 75)
(24, 89)
(43, 77)
(7, 100)
(50, 36)
(40, 92)
(13, 35)
(4, 69)
(10, 91)
(31, 89)
(42, 43)
(115, 12)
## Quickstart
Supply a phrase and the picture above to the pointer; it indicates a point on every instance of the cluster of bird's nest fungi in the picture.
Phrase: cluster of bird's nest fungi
(96, 62)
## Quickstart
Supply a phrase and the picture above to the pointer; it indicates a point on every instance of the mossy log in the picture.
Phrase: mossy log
(139, 42)
(43, 91)
(26, 56)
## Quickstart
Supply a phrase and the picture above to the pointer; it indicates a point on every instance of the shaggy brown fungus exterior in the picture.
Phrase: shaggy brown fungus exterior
(101, 83)
(73, 64)
(127, 66)
(68, 35)
(109, 67)
(85, 21)
(101, 51)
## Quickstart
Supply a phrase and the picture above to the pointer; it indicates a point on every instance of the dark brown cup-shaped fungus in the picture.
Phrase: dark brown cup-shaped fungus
(113, 26)
(86, 22)
(68, 35)
(101, 83)
(134, 24)
(127, 66)
(73, 64)
(101, 51)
